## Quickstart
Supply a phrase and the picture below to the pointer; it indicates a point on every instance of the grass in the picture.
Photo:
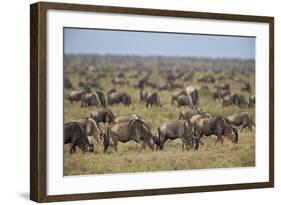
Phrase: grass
(129, 159)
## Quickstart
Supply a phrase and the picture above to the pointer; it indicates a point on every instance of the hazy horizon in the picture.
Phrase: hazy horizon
(152, 44)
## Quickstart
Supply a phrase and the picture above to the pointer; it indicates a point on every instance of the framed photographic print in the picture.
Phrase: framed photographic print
(134, 102)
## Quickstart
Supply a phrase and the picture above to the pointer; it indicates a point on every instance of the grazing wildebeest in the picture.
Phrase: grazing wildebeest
(175, 95)
(120, 81)
(165, 86)
(92, 81)
(153, 99)
(92, 129)
(126, 118)
(206, 79)
(174, 130)
(75, 134)
(135, 130)
(252, 101)
(241, 119)
(234, 99)
(214, 126)
(118, 97)
(75, 95)
(101, 97)
(222, 86)
(188, 113)
(192, 92)
(246, 87)
(184, 100)
(143, 95)
(103, 115)
(218, 93)
(91, 99)
(67, 84)
(198, 116)
(112, 90)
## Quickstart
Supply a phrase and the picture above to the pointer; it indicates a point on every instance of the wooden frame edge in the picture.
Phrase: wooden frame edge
(38, 101)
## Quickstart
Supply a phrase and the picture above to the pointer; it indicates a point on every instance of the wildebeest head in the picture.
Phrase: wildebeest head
(230, 131)
(89, 148)
(109, 117)
(92, 128)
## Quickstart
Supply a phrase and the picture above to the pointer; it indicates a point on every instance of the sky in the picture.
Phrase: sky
(93, 41)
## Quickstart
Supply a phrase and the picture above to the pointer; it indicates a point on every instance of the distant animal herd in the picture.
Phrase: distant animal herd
(192, 125)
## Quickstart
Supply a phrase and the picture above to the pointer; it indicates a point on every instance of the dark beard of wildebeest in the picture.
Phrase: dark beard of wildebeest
(241, 119)
(75, 134)
(135, 130)
(92, 129)
(174, 130)
(214, 126)
(103, 115)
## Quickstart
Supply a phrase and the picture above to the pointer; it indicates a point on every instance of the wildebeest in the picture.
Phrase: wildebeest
(206, 79)
(234, 99)
(101, 96)
(241, 119)
(75, 135)
(218, 93)
(184, 100)
(103, 115)
(198, 116)
(143, 95)
(153, 99)
(67, 84)
(188, 112)
(92, 129)
(92, 81)
(221, 90)
(252, 101)
(91, 99)
(214, 126)
(192, 92)
(135, 130)
(120, 81)
(222, 86)
(126, 118)
(174, 130)
(119, 97)
(75, 95)
(175, 95)
(246, 87)
(165, 86)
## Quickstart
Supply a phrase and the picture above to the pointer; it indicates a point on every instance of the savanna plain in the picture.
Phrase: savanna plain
(185, 71)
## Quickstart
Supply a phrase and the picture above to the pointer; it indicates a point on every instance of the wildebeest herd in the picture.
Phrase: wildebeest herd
(152, 107)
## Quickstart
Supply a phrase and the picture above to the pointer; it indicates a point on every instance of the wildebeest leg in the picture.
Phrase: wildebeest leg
(162, 143)
(220, 138)
(72, 148)
(115, 143)
(243, 126)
